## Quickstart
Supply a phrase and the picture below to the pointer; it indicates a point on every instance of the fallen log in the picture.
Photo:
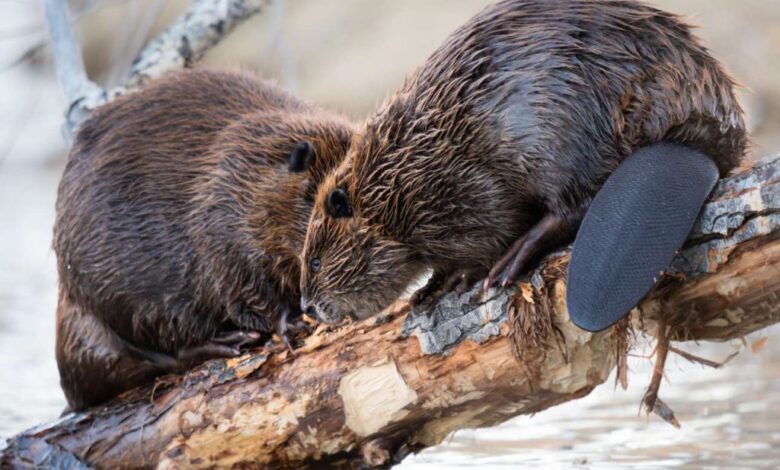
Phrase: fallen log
(368, 394)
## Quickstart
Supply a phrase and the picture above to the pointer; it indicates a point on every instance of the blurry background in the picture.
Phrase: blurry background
(348, 55)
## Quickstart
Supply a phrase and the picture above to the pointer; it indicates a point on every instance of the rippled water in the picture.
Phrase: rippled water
(730, 417)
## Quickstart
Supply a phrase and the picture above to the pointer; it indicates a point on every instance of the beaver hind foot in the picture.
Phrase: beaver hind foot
(551, 231)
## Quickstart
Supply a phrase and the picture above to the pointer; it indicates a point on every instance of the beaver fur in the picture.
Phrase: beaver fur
(504, 135)
(181, 216)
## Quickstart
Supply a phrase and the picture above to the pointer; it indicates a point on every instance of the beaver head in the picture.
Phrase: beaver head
(386, 213)
(257, 201)
(350, 266)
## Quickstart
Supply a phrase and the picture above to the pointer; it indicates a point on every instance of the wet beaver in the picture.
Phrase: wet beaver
(181, 216)
(492, 151)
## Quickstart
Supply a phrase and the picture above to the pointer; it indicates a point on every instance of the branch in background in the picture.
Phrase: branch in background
(186, 40)
(370, 393)
(68, 61)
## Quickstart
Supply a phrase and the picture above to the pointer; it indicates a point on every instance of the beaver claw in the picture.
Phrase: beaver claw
(287, 329)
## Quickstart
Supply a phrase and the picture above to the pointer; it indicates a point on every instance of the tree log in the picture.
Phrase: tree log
(367, 394)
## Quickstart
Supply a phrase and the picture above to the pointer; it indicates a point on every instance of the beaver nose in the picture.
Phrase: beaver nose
(309, 310)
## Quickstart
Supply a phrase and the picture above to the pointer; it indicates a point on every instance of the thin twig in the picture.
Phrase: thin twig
(662, 348)
(702, 360)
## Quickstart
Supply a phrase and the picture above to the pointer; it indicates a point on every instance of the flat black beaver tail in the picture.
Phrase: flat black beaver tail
(636, 224)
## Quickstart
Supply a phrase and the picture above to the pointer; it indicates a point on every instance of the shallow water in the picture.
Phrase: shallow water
(29, 384)
(730, 417)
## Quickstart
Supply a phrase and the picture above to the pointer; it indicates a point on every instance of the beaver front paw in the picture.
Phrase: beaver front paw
(441, 284)
(291, 326)
(223, 345)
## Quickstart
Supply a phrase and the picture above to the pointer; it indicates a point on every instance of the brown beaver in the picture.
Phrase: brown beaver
(181, 215)
(499, 142)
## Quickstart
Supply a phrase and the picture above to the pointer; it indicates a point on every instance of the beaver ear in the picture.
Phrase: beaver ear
(302, 157)
(337, 204)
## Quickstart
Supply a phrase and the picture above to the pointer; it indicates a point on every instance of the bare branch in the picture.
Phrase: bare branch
(186, 40)
(68, 61)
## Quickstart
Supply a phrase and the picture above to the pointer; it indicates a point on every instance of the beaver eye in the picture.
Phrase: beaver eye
(315, 264)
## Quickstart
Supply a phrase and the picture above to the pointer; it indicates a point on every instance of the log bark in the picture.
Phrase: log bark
(368, 394)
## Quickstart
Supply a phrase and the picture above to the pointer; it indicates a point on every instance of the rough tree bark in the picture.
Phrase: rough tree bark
(370, 393)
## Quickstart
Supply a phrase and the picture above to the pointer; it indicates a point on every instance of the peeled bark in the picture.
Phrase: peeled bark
(370, 393)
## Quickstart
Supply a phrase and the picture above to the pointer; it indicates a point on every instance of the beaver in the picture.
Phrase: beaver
(492, 151)
(181, 216)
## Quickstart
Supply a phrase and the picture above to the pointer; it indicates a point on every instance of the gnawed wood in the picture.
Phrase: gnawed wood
(370, 393)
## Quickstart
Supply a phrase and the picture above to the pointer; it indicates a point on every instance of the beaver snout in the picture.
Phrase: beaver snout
(325, 312)
(309, 310)
(312, 312)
